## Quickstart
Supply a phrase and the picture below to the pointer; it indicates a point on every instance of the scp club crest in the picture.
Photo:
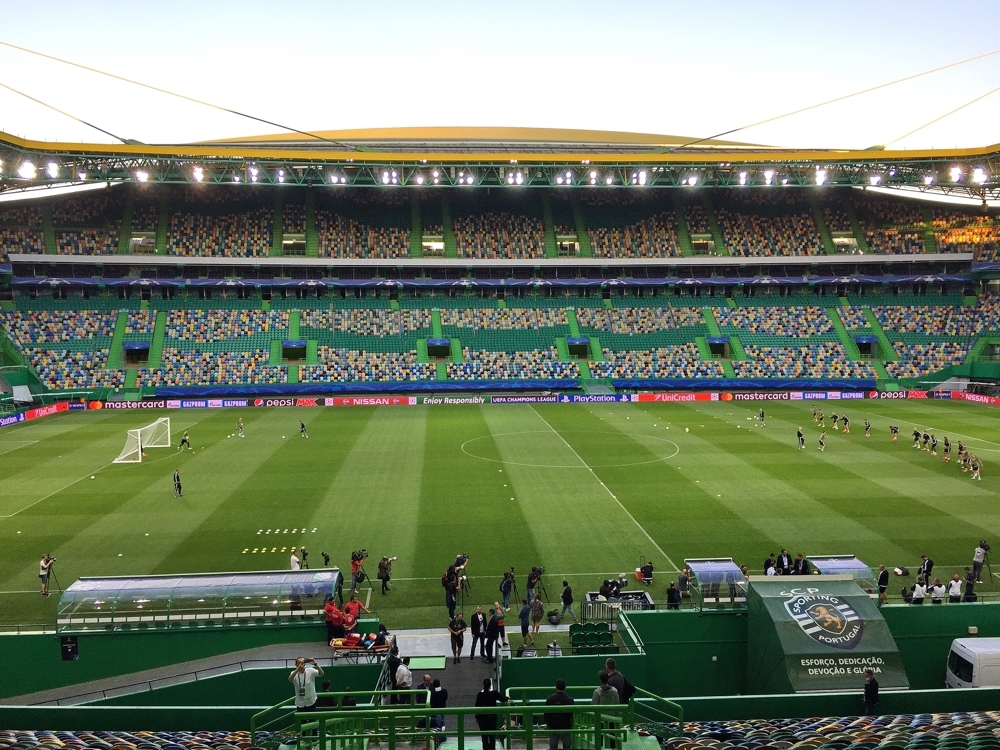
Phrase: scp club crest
(831, 620)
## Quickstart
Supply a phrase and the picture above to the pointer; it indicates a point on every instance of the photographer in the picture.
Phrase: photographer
(43, 572)
(303, 677)
(385, 572)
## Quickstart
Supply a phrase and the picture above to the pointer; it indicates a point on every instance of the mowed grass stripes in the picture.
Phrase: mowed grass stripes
(584, 490)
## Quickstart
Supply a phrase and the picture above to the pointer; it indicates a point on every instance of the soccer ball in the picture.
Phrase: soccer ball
(92, 476)
(282, 437)
(687, 429)
(228, 436)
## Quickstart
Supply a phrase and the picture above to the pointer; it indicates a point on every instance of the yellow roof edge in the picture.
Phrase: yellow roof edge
(476, 134)
(734, 156)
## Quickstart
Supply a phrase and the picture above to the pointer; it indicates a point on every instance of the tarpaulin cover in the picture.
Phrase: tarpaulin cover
(578, 340)
(717, 339)
(438, 342)
(135, 345)
(815, 635)
(294, 344)
(866, 339)
(431, 386)
(827, 384)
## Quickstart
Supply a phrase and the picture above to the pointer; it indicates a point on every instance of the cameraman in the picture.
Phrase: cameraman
(357, 560)
(43, 572)
(533, 577)
(978, 558)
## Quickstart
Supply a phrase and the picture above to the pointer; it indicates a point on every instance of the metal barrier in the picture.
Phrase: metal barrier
(592, 726)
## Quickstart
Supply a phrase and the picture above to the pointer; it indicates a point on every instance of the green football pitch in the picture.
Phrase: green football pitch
(583, 489)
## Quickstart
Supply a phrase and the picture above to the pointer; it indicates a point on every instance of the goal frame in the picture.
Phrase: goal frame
(154, 435)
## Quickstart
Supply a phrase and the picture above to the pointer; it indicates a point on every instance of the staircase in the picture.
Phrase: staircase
(824, 230)
(713, 224)
(156, 346)
(850, 346)
(117, 339)
(450, 246)
(551, 250)
(581, 227)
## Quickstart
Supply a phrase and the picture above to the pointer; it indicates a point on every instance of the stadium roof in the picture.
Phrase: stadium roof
(496, 157)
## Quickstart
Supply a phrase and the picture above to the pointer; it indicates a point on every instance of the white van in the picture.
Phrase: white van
(973, 662)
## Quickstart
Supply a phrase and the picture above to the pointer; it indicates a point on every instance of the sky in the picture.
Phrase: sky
(679, 68)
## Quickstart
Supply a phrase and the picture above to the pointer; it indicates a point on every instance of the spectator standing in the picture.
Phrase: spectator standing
(532, 581)
(537, 613)
(926, 566)
(567, 601)
(506, 586)
(673, 596)
(488, 698)
(384, 572)
(619, 682)
(683, 581)
(501, 622)
(478, 633)
(785, 563)
(883, 583)
(457, 628)
(404, 677)
(918, 592)
(492, 635)
(451, 597)
(392, 664)
(871, 693)
(970, 586)
(439, 702)
(559, 723)
(294, 561)
(770, 563)
(303, 679)
(937, 591)
(605, 695)
(348, 700)
(955, 589)
(326, 701)
(800, 567)
(524, 616)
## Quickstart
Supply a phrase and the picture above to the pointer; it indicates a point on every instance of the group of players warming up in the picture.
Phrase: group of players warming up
(921, 438)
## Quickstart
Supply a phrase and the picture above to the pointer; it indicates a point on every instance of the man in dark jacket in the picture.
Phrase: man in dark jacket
(785, 563)
(619, 682)
(567, 601)
(393, 664)
(871, 692)
(488, 698)
(478, 628)
(800, 567)
(926, 566)
(560, 723)
(492, 636)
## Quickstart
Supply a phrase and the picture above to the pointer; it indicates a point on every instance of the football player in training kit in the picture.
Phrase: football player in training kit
(934, 444)
(868, 428)
(916, 437)
(947, 450)
(894, 430)
(846, 423)
(822, 442)
(833, 421)
(801, 439)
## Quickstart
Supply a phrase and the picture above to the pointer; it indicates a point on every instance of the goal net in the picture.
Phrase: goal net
(155, 435)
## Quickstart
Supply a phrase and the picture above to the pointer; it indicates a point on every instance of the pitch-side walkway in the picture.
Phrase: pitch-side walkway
(411, 643)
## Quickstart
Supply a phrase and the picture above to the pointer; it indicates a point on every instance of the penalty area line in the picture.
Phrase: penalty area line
(64, 487)
(606, 489)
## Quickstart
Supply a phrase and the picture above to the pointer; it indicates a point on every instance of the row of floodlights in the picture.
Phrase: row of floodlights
(27, 170)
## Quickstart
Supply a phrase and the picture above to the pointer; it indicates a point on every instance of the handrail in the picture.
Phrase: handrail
(653, 709)
(596, 726)
(270, 719)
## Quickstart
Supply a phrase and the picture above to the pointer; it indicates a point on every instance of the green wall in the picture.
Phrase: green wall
(924, 634)
(255, 687)
(694, 654)
(576, 670)
(108, 655)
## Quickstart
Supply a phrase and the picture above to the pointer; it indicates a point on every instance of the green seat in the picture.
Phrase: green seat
(575, 628)
(589, 627)
(593, 639)
(605, 638)
(578, 639)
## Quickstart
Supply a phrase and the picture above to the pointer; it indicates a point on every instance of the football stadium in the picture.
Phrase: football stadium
(342, 395)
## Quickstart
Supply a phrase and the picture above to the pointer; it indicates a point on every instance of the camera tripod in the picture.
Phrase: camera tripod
(53, 578)
(366, 579)
(986, 563)
(515, 594)
(545, 593)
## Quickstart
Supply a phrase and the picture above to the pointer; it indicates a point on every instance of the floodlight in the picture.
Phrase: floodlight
(768, 176)
(52, 170)
(519, 178)
(27, 171)
(385, 178)
(470, 179)
(875, 179)
(956, 174)
(435, 173)
(642, 177)
(281, 175)
(979, 176)
(199, 174)
(820, 176)
(559, 180)
(82, 175)
(593, 175)
(928, 179)
(692, 180)
(236, 178)
(569, 175)
(142, 175)
(743, 178)
(608, 180)
(420, 179)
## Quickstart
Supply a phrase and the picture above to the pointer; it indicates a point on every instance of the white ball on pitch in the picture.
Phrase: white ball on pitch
(282, 437)
(687, 429)
(92, 476)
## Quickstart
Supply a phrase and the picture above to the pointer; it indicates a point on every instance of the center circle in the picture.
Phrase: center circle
(473, 454)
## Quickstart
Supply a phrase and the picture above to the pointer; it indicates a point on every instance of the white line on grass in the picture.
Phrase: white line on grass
(57, 491)
(594, 474)
(20, 444)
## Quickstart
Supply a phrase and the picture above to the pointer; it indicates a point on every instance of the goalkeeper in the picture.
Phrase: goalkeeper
(185, 441)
